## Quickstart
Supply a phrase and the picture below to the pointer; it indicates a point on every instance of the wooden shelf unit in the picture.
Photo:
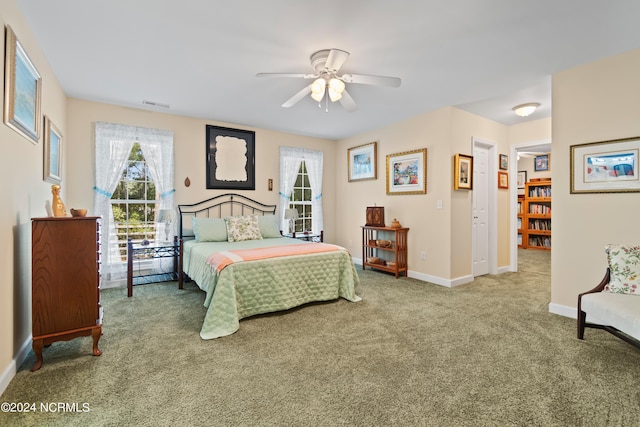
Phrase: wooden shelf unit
(397, 253)
(65, 281)
(521, 221)
(537, 222)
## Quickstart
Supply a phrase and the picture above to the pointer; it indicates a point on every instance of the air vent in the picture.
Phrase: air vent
(155, 104)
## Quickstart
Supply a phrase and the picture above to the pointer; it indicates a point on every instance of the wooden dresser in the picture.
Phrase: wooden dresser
(65, 281)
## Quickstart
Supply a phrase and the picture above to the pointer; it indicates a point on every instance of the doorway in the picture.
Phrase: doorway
(540, 147)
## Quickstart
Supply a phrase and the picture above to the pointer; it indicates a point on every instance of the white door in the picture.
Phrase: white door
(480, 211)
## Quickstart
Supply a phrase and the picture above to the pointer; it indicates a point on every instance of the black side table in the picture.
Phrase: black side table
(154, 251)
(309, 237)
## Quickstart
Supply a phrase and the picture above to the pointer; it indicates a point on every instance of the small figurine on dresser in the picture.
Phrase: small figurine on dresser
(56, 203)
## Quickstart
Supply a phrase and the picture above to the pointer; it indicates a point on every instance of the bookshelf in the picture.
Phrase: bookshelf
(521, 219)
(537, 215)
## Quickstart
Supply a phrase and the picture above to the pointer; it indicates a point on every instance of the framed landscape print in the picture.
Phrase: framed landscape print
(462, 172)
(504, 162)
(407, 172)
(52, 170)
(230, 158)
(23, 87)
(362, 162)
(606, 166)
(541, 163)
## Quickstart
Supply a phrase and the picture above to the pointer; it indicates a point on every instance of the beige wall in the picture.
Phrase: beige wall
(190, 160)
(443, 234)
(594, 102)
(23, 197)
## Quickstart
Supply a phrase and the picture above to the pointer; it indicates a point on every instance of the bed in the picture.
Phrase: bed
(235, 253)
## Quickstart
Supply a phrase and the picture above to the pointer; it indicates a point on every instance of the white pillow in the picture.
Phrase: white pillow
(269, 226)
(209, 229)
(240, 228)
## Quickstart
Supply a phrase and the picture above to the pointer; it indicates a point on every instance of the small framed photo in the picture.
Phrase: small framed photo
(362, 162)
(522, 179)
(407, 172)
(504, 162)
(462, 172)
(52, 171)
(503, 179)
(22, 90)
(606, 166)
(541, 163)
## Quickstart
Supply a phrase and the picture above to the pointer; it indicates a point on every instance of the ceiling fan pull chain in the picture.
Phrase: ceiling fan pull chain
(326, 102)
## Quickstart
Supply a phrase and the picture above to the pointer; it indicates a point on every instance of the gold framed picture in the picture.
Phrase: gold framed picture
(462, 172)
(362, 162)
(407, 172)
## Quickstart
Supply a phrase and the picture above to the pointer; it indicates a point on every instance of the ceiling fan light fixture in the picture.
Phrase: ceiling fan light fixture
(336, 87)
(524, 110)
(317, 89)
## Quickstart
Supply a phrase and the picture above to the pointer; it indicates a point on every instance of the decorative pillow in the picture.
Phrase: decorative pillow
(241, 228)
(269, 226)
(209, 229)
(624, 263)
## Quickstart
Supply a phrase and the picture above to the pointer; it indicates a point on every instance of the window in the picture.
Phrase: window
(300, 199)
(134, 202)
(301, 188)
(134, 180)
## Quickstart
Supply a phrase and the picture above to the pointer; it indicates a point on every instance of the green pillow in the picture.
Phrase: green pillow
(269, 226)
(209, 229)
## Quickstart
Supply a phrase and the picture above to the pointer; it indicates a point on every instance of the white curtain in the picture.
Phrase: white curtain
(113, 146)
(290, 159)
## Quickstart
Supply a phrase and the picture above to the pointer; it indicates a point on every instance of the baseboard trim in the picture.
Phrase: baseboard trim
(563, 310)
(11, 369)
(449, 283)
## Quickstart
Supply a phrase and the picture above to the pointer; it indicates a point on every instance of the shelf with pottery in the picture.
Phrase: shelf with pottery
(385, 248)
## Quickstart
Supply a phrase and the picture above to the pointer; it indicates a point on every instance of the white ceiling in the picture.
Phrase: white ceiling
(201, 56)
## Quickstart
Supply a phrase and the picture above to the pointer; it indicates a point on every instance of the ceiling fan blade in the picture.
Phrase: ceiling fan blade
(298, 75)
(297, 97)
(372, 80)
(347, 102)
(336, 59)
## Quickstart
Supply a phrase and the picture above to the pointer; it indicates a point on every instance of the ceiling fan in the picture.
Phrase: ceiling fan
(327, 81)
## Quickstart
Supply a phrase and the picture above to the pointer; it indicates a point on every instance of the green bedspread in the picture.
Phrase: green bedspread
(244, 289)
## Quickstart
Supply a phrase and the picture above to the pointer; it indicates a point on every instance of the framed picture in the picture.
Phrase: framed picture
(606, 166)
(23, 88)
(504, 162)
(503, 179)
(407, 172)
(522, 179)
(462, 172)
(541, 163)
(52, 171)
(230, 158)
(362, 162)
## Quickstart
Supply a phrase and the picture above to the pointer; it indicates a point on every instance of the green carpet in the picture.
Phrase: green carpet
(411, 353)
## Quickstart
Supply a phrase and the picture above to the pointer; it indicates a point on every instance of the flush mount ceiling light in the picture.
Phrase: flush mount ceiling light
(525, 110)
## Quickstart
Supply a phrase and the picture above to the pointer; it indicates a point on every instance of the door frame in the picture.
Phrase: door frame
(513, 196)
(492, 203)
